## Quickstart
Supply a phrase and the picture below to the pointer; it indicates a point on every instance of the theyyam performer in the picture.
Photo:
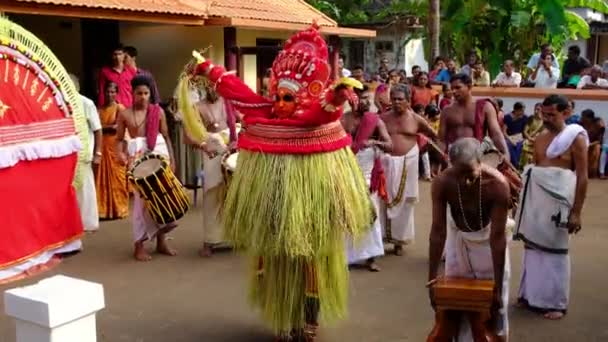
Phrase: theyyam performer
(297, 190)
(550, 209)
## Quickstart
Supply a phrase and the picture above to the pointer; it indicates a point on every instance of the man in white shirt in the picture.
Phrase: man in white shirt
(87, 196)
(545, 49)
(343, 71)
(593, 80)
(508, 78)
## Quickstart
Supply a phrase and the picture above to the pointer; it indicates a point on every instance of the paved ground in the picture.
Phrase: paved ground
(188, 299)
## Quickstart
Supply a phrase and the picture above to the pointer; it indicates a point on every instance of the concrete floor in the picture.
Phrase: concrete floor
(189, 299)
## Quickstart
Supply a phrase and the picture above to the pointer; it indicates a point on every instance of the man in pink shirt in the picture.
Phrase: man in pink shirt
(119, 73)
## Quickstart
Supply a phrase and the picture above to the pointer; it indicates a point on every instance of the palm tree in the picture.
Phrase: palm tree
(434, 25)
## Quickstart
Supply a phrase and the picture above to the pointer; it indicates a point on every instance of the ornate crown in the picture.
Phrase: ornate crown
(302, 66)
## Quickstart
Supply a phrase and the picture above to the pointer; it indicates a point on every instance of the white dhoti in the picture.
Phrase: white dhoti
(214, 188)
(87, 199)
(402, 188)
(469, 255)
(144, 227)
(545, 204)
(370, 245)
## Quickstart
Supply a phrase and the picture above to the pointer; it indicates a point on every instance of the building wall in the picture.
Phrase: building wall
(603, 49)
(247, 38)
(165, 49)
(61, 35)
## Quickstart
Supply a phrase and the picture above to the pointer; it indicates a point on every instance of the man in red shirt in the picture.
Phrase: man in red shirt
(119, 73)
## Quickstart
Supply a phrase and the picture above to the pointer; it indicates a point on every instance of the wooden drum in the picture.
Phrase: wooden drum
(457, 296)
(161, 191)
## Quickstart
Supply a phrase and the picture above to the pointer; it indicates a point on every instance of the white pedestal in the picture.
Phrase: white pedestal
(57, 309)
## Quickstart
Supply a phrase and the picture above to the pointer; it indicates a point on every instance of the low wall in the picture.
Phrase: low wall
(596, 100)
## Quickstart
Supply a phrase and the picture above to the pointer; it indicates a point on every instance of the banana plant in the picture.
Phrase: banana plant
(511, 29)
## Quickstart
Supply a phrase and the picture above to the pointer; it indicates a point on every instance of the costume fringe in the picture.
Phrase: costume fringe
(296, 205)
(193, 123)
(292, 213)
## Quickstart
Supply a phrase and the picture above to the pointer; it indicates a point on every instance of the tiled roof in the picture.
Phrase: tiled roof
(288, 11)
(179, 7)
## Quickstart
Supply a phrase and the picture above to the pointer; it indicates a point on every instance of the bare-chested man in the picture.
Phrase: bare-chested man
(550, 210)
(214, 114)
(147, 127)
(370, 140)
(470, 208)
(466, 117)
(401, 166)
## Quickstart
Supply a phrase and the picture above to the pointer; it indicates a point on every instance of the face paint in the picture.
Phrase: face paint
(284, 103)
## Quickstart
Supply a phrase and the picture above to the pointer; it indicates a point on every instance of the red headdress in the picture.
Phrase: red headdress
(302, 67)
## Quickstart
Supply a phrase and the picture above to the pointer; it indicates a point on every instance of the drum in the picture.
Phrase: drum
(462, 294)
(229, 162)
(161, 191)
(455, 296)
(496, 160)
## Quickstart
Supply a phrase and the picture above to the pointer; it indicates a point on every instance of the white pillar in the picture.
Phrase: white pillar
(57, 309)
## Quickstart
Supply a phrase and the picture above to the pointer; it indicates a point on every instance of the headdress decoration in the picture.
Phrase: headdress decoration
(38, 94)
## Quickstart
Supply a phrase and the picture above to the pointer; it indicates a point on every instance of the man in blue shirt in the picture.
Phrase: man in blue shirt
(445, 75)
(515, 122)
(572, 117)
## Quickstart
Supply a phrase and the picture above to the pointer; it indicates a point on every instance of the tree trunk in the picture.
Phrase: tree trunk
(434, 28)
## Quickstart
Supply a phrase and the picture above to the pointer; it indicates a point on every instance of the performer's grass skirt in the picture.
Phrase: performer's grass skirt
(291, 213)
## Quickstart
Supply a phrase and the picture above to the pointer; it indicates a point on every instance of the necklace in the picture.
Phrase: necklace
(464, 219)
(135, 119)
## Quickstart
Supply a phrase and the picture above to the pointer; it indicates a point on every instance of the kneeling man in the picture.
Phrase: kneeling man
(470, 208)
(551, 204)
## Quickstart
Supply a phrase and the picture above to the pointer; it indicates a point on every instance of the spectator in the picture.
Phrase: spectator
(422, 92)
(572, 117)
(605, 68)
(545, 75)
(343, 71)
(448, 96)
(131, 60)
(415, 71)
(574, 66)
(445, 75)
(394, 77)
(470, 66)
(515, 122)
(595, 128)
(481, 78)
(119, 73)
(358, 74)
(403, 77)
(508, 77)
(593, 80)
(535, 60)
(438, 65)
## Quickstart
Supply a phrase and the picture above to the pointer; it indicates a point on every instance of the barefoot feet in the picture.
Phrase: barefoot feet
(554, 315)
(162, 247)
(140, 253)
(206, 251)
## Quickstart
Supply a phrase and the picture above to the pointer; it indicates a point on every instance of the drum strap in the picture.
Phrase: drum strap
(152, 125)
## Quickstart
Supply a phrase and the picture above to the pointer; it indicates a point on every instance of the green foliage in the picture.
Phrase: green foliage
(362, 11)
(510, 29)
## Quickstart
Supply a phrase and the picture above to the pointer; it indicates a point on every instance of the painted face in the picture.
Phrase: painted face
(284, 103)
(141, 95)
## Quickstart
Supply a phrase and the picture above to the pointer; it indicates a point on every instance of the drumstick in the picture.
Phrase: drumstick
(438, 149)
